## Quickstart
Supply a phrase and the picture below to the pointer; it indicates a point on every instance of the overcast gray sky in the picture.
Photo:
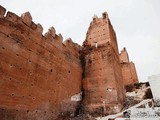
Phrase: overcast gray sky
(136, 23)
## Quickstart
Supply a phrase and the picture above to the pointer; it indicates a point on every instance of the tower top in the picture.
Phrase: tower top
(104, 16)
(94, 17)
(100, 32)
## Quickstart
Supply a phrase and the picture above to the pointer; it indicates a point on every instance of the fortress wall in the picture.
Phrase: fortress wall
(38, 74)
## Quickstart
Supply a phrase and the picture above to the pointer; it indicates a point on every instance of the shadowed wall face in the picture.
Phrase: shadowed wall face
(38, 74)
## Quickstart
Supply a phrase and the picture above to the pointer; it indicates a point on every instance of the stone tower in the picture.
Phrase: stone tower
(103, 82)
(128, 69)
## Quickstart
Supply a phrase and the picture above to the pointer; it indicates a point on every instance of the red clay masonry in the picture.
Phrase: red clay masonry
(103, 82)
(42, 76)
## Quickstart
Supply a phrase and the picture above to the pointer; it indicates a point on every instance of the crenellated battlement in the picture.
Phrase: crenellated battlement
(12, 17)
(29, 28)
(27, 18)
(71, 45)
(2, 11)
(104, 17)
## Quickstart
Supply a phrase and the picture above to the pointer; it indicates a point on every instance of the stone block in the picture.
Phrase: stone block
(48, 37)
(67, 42)
(39, 28)
(52, 31)
(27, 18)
(34, 26)
(60, 37)
(2, 11)
(12, 17)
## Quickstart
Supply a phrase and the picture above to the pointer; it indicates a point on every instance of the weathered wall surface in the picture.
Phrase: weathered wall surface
(128, 69)
(38, 74)
(103, 84)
